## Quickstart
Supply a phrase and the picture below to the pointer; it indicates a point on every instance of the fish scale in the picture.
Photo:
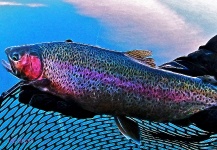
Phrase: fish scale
(110, 82)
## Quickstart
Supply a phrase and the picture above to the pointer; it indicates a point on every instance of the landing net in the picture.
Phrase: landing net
(24, 127)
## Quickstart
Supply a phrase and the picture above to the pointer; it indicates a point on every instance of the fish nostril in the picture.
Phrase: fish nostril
(7, 50)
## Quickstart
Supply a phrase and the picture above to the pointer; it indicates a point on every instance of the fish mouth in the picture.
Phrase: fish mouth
(8, 67)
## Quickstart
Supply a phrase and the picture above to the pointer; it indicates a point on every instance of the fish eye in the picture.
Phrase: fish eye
(15, 57)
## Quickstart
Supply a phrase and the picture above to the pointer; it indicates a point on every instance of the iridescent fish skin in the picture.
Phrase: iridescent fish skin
(109, 82)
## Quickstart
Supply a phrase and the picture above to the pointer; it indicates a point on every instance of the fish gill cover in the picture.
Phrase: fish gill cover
(24, 127)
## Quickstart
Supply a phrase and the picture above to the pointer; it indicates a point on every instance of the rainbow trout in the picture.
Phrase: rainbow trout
(109, 82)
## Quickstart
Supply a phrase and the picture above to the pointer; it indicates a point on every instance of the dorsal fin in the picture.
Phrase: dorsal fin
(68, 41)
(142, 56)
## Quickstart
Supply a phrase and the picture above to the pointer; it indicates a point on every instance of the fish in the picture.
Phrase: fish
(102, 81)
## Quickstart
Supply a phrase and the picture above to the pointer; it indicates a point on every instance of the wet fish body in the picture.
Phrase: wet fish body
(109, 82)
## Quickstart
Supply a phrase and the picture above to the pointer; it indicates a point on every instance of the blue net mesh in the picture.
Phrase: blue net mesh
(24, 127)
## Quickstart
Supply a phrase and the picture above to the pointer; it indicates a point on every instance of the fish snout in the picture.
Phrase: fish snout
(8, 50)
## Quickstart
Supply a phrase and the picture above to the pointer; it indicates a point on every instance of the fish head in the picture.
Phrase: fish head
(24, 62)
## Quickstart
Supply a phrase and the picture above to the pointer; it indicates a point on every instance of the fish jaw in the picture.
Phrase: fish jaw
(7, 66)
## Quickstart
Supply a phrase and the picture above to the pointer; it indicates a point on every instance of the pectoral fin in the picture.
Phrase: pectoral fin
(128, 128)
(40, 83)
(143, 56)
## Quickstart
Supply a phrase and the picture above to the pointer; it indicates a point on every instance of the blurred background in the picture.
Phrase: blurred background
(168, 28)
